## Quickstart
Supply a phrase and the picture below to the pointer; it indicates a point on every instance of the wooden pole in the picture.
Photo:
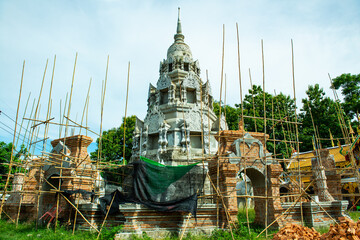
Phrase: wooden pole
(265, 160)
(187, 221)
(225, 98)
(296, 126)
(87, 112)
(242, 124)
(103, 91)
(27, 126)
(107, 213)
(218, 160)
(66, 128)
(70, 98)
(63, 116)
(240, 84)
(127, 96)
(13, 143)
(22, 121)
(85, 105)
(253, 100)
(292, 205)
(44, 142)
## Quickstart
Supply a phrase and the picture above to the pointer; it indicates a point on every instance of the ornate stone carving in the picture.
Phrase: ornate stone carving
(194, 114)
(191, 81)
(145, 140)
(248, 140)
(185, 137)
(171, 96)
(183, 94)
(163, 142)
(163, 82)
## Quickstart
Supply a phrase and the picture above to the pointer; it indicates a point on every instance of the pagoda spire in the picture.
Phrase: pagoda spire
(179, 37)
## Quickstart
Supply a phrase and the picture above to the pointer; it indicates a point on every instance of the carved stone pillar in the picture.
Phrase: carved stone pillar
(321, 188)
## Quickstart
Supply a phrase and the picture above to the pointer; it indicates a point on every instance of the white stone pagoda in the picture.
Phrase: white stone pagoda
(180, 122)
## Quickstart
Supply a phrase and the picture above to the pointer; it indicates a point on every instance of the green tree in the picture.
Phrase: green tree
(112, 143)
(276, 107)
(324, 115)
(232, 114)
(279, 107)
(350, 89)
(5, 156)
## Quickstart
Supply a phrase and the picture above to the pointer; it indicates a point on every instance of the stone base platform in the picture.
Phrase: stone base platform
(137, 219)
(313, 214)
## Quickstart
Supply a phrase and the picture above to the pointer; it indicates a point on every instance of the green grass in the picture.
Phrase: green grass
(8, 230)
(355, 215)
(27, 231)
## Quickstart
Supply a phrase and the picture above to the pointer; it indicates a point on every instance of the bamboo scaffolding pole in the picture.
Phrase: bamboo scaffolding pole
(22, 120)
(62, 116)
(202, 129)
(126, 104)
(282, 126)
(103, 91)
(273, 128)
(44, 147)
(38, 106)
(242, 123)
(13, 143)
(85, 105)
(107, 213)
(70, 98)
(276, 120)
(218, 164)
(27, 126)
(224, 205)
(225, 98)
(60, 193)
(78, 125)
(265, 160)
(78, 195)
(66, 129)
(8, 216)
(41, 140)
(344, 131)
(54, 123)
(317, 203)
(87, 112)
(187, 221)
(296, 120)
(239, 70)
(42, 122)
(338, 110)
(253, 101)
(292, 205)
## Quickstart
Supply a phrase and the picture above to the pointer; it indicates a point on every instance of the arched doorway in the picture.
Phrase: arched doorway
(257, 182)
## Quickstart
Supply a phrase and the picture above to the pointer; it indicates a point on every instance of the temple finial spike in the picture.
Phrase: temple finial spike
(178, 30)
(179, 37)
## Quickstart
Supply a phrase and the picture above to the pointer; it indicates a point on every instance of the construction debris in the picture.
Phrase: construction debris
(294, 231)
(347, 229)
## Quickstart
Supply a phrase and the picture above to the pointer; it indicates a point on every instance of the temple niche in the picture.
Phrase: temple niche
(180, 122)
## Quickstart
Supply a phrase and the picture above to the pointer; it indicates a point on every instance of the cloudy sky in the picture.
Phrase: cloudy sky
(326, 37)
